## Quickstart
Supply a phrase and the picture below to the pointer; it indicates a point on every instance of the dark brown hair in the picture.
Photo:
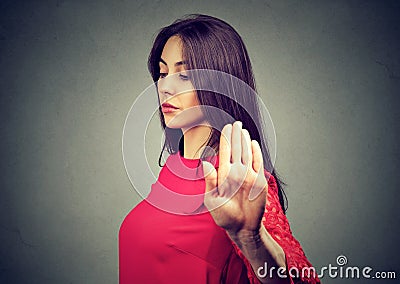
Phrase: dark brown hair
(210, 43)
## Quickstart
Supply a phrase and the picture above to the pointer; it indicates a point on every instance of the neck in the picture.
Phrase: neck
(193, 139)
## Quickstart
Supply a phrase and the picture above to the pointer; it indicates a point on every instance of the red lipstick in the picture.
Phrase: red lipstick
(167, 108)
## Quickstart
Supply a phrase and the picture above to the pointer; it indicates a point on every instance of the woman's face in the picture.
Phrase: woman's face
(178, 98)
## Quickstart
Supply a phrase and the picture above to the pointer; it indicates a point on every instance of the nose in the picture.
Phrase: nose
(166, 86)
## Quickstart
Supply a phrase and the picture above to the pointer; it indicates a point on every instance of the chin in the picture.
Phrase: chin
(180, 125)
(173, 124)
(176, 123)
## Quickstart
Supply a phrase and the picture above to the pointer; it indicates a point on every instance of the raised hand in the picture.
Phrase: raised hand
(236, 192)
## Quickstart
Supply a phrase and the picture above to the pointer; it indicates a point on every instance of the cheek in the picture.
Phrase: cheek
(190, 99)
(190, 114)
(191, 105)
(186, 118)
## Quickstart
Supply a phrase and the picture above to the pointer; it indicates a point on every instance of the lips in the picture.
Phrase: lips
(167, 108)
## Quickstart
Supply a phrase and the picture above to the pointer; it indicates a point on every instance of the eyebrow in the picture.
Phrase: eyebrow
(179, 63)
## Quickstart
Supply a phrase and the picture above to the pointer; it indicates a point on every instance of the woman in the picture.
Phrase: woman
(233, 228)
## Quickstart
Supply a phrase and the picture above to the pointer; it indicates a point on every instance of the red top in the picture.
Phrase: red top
(170, 237)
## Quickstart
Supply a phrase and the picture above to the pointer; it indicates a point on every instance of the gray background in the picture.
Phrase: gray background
(329, 72)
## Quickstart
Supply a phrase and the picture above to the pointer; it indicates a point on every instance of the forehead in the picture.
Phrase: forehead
(172, 51)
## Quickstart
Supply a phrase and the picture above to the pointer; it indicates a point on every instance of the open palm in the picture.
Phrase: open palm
(236, 192)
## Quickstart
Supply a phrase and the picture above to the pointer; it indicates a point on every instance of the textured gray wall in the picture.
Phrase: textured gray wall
(328, 71)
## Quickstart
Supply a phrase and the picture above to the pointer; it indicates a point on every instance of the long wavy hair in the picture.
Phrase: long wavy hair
(210, 43)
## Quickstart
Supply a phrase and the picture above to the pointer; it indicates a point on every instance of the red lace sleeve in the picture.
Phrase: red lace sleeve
(277, 225)
(250, 273)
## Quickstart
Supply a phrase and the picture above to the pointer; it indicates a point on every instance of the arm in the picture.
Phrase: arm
(276, 238)
(246, 205)
(277, 224)
(263, 255)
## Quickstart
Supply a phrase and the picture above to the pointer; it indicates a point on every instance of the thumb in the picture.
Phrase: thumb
(210, 176)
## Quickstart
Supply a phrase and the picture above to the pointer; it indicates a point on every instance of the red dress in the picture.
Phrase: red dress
(162, 241)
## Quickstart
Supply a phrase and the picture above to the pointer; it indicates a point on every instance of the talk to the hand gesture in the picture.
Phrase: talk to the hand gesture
(236, 192)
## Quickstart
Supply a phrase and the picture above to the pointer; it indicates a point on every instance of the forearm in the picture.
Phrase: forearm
(261, 250)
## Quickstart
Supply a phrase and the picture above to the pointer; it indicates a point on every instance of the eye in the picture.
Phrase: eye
(184, 77)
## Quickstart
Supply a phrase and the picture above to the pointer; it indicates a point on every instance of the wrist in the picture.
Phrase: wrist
(245, 237)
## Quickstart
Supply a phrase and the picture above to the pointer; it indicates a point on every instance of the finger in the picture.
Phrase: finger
(247, 158)
(258, 166)
(224, 156)
(237, 142)
(225, 145)
(210, 177)
(258, 163)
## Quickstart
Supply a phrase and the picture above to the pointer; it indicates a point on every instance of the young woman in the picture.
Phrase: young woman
(234, 229)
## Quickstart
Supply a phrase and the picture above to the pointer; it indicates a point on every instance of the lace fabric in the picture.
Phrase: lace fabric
(276, 223)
